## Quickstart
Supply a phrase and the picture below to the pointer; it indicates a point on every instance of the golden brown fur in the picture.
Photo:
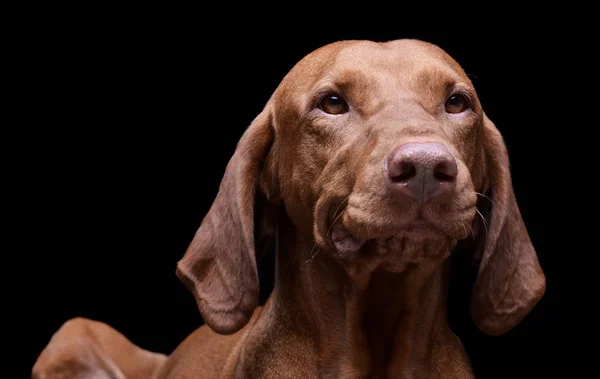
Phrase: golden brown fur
(373, 305)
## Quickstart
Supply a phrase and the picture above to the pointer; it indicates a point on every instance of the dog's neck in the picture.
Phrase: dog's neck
(379, 324)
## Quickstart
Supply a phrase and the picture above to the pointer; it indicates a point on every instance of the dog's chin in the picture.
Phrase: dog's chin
(417, 243)
(389, 249)
(364, 241)
(351, 237)
(429, 222)
(421, 229)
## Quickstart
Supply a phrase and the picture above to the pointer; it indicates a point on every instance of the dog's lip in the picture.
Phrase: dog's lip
(417, 226)
(345, 241)
(420, 223)
(422, 226)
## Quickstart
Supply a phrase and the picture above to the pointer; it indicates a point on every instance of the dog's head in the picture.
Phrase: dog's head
(381, 154)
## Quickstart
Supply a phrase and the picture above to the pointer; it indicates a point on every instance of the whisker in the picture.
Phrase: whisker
(338, 208)
(336, 218)
(484, 222)
(465, 228)
(333, 223)
(312, 256)
(485, 197)
(472, 232)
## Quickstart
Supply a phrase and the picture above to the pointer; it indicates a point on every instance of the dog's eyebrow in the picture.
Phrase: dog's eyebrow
(353, 79)
(353, 85)
(344, 81)
(441, 80)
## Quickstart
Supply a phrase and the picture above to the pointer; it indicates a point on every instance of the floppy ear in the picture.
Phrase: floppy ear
(219, 266)
(510, 280)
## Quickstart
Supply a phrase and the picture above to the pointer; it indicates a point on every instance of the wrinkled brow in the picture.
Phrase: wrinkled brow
(361, 90)
(437, 80)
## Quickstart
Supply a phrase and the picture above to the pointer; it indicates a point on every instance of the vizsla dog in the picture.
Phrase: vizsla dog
(368, 164)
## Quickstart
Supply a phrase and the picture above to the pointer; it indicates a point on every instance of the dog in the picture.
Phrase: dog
(367, 165)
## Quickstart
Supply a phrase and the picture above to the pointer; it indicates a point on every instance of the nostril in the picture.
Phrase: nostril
(445, 171)
(443, 177)
(402, 172)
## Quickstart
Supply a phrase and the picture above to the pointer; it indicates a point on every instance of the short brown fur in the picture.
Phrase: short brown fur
(299, 172)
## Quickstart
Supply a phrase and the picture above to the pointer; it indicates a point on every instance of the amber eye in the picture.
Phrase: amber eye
(333, 104)
(457, 103)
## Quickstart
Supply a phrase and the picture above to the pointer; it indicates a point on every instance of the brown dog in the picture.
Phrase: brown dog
(369, 162)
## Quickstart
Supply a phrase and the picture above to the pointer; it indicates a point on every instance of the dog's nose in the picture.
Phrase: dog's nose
(421, 170)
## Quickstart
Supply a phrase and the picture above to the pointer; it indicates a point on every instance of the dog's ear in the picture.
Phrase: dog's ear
(510, 280)
(219, 267)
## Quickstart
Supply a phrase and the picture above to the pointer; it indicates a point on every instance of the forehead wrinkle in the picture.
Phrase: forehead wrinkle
(373, 74)
(359, 88)
(406, 71)
(414, 62)
(431, 85)
(428, 83)
(294, 89)
(365, 73)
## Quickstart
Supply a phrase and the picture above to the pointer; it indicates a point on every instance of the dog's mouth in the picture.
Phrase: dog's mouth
(348, 237)
(368, 238)
(422, 227)
(344, 241)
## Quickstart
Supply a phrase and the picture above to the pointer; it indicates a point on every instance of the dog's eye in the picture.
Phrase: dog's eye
(333, 104)
(457, 103)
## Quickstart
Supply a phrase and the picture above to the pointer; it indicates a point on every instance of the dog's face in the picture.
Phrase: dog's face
(381, 154)
(379, 164)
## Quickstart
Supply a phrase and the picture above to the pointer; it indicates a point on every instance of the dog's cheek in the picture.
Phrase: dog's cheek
(465, 197)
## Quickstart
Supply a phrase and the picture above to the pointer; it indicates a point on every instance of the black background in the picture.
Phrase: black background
(126, 123)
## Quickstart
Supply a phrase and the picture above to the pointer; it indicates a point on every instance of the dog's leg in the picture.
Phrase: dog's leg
(86, 349)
